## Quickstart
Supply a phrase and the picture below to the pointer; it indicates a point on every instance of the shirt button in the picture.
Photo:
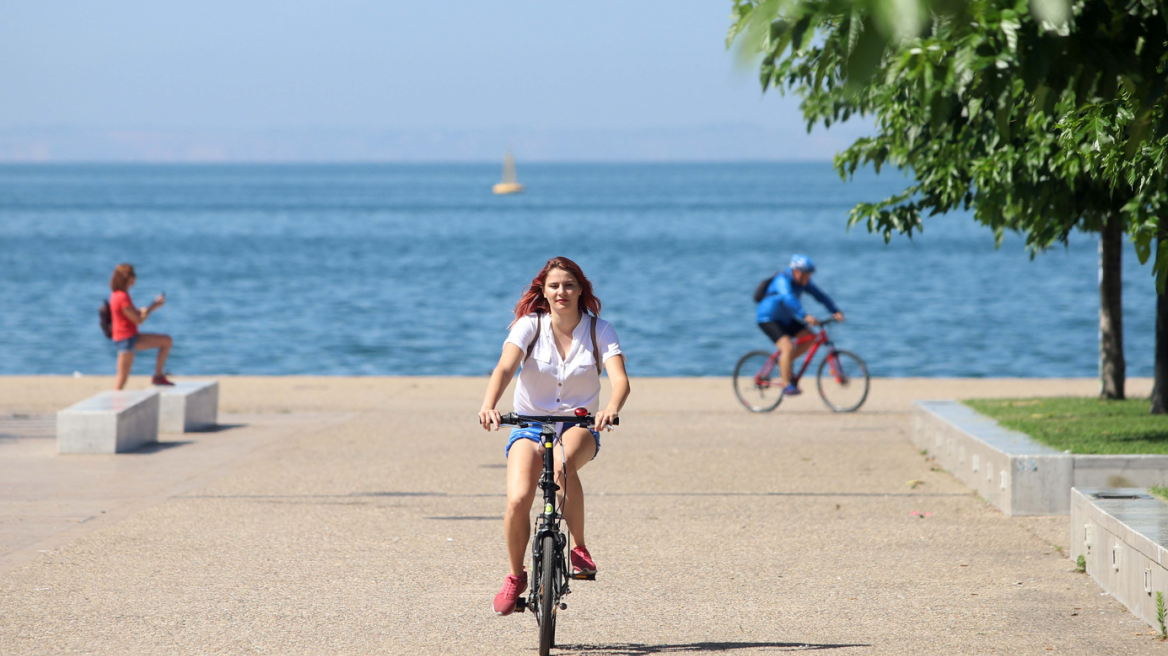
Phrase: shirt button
(559, 384)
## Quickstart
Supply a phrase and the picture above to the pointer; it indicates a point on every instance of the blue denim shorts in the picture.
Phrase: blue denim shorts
(532, 433)
(126, 345)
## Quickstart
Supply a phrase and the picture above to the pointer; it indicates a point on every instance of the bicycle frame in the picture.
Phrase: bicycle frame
(763, 377)
(548, 521)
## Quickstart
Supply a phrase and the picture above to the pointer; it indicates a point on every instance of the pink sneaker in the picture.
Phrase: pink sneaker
(507, 598)
(582, 562)
(161, 380)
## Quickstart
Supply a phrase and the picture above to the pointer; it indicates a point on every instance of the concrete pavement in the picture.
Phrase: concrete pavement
(377, 529)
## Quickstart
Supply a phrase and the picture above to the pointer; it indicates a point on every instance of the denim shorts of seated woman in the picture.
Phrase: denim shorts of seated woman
(126, 345)
(532, 433)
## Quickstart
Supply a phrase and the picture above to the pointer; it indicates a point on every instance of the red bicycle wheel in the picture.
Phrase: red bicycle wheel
(757, 383)
(843, 381)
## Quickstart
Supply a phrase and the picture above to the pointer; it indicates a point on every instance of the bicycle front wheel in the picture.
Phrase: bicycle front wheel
(547, 596)
(757, 383)
(843, 381)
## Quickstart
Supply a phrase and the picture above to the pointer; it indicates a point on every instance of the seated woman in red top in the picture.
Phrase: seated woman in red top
(126, 319)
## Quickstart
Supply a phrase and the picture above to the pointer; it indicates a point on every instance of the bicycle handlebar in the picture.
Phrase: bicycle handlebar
(513, 419)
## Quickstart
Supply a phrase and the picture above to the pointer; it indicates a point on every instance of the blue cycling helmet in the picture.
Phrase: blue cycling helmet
(802, 263)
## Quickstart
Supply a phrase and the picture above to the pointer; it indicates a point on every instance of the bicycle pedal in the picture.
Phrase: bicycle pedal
(580, 576)
(520, 605)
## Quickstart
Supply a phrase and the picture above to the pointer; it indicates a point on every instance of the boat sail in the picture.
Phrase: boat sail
(509, 184)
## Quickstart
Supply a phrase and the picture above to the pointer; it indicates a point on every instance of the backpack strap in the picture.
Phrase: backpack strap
(538, 330)
(595, 347)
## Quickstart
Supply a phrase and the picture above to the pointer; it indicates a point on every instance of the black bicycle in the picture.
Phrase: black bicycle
(548, 567)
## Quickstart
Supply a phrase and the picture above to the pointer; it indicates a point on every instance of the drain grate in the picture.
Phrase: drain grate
(1119, 495)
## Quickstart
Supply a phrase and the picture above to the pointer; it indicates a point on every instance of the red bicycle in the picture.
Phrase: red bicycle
(842, 377)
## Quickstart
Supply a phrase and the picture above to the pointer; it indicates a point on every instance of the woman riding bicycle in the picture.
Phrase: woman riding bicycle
(562, 343)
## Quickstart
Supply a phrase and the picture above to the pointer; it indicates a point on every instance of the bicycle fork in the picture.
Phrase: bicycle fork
(837, 369)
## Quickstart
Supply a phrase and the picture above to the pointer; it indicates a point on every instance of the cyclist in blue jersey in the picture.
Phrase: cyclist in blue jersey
(782, 317)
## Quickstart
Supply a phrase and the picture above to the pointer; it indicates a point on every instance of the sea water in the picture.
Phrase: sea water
(415, 269)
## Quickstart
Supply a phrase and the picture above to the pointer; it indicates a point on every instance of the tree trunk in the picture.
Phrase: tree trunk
(1111, 362)
(1160, 387)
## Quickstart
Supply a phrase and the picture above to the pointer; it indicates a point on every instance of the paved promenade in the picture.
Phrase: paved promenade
(363, 515)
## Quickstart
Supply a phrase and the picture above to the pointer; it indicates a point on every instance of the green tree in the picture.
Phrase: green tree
(1039, 126)
(1147, 170)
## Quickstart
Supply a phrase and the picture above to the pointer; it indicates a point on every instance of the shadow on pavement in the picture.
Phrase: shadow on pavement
(155, 447)
(637, 649)
(398, 494)
(352, 495)
(300, 497)
(218, 428)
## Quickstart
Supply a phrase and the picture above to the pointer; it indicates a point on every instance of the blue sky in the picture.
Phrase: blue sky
(223, 73)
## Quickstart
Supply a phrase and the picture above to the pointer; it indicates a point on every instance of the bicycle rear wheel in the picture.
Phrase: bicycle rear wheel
(843, 381)
(757, 383)
(547, 596)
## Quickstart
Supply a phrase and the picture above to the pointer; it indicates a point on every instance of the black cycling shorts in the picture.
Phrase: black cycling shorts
(775, 330)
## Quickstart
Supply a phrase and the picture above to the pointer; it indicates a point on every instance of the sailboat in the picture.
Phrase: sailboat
(508, 185)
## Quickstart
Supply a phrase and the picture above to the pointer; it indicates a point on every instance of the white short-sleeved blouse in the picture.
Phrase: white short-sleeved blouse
(549, 385)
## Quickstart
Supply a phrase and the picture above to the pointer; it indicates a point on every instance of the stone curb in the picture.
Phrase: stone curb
(1014, 472)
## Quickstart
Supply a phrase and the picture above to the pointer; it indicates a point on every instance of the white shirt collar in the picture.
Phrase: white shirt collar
(577, 337)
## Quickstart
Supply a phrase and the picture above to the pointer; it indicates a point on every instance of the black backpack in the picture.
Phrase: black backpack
(107, 320)
(760, 292)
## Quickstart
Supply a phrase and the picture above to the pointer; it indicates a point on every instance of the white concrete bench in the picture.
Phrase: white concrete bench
(189, 406)
(111, 422)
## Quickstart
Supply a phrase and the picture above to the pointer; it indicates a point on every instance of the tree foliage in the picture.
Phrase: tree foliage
(1041, 120)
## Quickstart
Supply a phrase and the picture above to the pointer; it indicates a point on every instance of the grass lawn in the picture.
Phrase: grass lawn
(1083, 425)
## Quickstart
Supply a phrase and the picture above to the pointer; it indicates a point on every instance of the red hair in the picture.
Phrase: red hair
(121, 278)
(533, 299)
